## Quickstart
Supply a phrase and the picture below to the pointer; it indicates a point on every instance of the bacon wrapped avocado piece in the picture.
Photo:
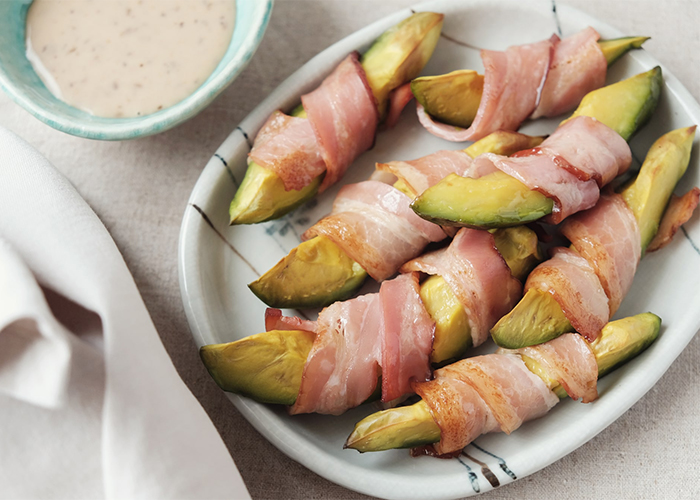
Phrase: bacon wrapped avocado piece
(454, 98)
(599, 237)
(559, 178)
(296, 156)
(539, 373)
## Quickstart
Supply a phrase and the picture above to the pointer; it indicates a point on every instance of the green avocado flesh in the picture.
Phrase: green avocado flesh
(454, 98)
(395, 58)
(622, 340)
(537, 318)
(664, 165)
(495, 200)
(520, 249)
(262, 197)
(624, 106)
(314, 274)
(647, 196)
(402, 427)
(400, 54)
(498, 200)
(618, 47)
(504, 142)
(411, 426)
(452, 332)
(266, 367)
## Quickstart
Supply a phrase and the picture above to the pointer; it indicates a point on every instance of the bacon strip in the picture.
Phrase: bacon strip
(344, 117)
(578, 67)
(398, 99)
(427, 171)
(477, 275)
(541, 170)
(513, 80)
(275, 321)
(343, 366)
(375, 226)
(571, 280)
(608, 237)
(570, 361)
(590, 150)
(569, 166)
(540, 79)
(483, 394)
(679, 211)
(389, 330)
(405, 357)
(287, 146)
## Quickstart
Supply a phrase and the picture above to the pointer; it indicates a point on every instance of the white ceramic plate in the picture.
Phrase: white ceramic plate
(217, 261)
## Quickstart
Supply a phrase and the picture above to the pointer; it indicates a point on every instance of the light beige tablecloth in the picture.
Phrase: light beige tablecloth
(140, 188)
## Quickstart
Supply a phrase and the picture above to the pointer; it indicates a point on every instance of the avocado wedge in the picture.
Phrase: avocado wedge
(400, 54)
(499, 200)
(267, 367)
(411, 426)
(454, 98)
(396, 57)
(664, 165)
(492, 201)
(615, 48)
(624, 106)
(315, 272)
(538, 316)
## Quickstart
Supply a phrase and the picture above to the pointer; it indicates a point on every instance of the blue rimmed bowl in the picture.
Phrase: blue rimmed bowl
(21, 83)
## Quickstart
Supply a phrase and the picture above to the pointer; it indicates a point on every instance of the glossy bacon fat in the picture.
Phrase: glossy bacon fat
(608, 237)
(427, 171)
(569, 360)
(590, 282)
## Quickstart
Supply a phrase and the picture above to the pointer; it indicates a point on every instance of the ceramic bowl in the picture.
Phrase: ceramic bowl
(21, 83)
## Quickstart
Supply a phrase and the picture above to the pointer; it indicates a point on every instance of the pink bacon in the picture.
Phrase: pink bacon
(569, 167)
(374, 225)
(478, 276)
(590, 283)
(390, 330)
(540, 79)
(342, 122)
(497, 392)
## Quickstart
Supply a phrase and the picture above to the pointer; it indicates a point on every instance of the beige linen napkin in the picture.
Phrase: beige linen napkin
(90, 404)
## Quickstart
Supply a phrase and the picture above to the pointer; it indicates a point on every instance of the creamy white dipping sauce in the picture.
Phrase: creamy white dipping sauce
(126, 58)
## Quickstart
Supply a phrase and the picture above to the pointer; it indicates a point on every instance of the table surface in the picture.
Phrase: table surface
(140, 189)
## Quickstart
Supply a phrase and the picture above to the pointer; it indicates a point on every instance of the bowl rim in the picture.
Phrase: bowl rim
(171, 116)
